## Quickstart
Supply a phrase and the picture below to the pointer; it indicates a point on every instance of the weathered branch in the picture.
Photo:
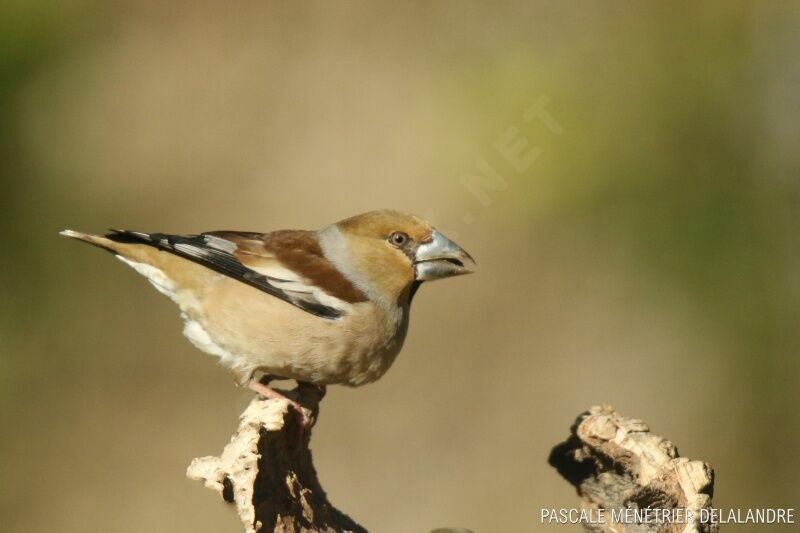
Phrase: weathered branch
(266, 470)
(616, 463)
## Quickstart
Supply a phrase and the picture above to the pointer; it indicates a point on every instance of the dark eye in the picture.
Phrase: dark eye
(398, 238)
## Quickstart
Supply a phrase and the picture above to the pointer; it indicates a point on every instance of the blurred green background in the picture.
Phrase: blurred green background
(643, 253)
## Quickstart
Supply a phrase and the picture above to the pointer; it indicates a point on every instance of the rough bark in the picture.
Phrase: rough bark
(617, 463)
(266, 470)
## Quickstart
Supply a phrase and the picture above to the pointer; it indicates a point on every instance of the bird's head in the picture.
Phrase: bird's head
(387, 253)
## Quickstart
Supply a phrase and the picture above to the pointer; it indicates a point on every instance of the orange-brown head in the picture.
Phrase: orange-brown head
(384, 253)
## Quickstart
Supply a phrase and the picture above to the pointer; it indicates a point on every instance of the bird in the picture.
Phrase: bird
(321, 307)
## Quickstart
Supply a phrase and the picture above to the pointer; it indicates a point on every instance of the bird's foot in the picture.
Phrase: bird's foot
(268, 392)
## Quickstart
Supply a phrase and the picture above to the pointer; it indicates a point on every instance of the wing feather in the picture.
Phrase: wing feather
(286, 264)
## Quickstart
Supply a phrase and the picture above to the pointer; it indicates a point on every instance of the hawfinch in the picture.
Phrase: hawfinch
(322, 307)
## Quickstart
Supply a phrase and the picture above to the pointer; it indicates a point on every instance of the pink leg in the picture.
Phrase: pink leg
(271, 393)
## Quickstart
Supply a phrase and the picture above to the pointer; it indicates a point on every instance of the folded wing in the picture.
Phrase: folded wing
(288, 264)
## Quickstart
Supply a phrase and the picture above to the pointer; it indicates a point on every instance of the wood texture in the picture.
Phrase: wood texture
(266, 471)
(617, 463)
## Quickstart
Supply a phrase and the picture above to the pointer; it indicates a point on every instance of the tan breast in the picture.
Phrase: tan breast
(256, 331)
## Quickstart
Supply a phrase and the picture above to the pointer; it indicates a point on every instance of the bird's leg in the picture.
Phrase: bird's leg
(262, 387)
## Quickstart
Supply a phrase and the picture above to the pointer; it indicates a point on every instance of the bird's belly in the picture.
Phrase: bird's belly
(278, 338)
(333, 359)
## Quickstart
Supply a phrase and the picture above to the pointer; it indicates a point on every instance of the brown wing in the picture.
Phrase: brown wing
(289, 264)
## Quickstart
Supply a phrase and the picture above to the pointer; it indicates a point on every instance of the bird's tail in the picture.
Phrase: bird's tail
(95, 240)
(140, 251)
(120, 242)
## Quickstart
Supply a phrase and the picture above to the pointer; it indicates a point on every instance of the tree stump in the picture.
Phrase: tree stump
(266, 470)
(616, 463)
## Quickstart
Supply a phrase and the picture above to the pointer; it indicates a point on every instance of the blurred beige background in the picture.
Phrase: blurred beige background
(645, 254)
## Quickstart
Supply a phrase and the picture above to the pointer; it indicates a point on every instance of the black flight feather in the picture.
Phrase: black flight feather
(197, 248)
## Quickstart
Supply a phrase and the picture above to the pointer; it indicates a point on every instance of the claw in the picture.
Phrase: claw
(267, 392)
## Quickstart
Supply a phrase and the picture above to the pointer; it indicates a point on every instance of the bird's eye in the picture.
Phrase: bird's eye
(398, 238)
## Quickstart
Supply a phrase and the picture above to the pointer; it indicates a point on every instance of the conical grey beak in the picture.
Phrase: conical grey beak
(441, 258)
